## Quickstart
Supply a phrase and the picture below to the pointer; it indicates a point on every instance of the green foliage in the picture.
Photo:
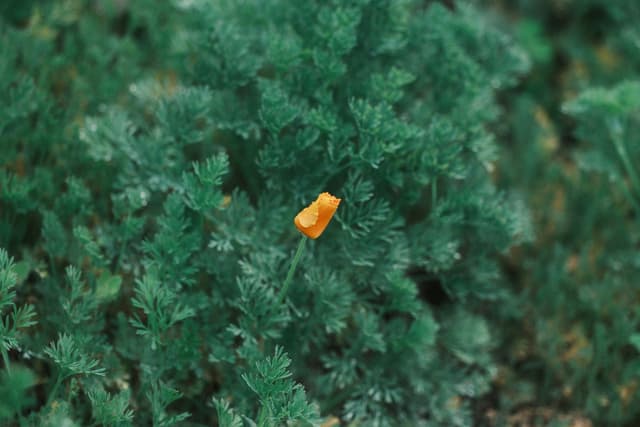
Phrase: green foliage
(154, 156)
(19, 317)
(160, 397)
(226, 416)
(198, 186)
(176, 203)
(281, 399)
(160, 308)
(578, 314)
(110, 410)
(71, 360)
(15, 388)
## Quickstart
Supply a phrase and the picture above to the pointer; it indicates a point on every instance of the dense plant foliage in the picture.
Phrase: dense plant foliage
(573, 129)
(154, 156)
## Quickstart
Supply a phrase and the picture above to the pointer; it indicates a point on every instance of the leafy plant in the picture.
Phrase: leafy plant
(155, 155)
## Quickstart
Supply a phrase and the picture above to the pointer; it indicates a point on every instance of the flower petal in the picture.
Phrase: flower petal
(309, 216)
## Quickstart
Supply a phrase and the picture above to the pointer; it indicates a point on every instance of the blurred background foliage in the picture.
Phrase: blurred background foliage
(572, 132)
(479, 272)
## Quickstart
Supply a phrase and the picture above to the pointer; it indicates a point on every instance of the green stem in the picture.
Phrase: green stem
(5, 358)
(624, 156)
(292, 270)
(52, 394)
(262, 417)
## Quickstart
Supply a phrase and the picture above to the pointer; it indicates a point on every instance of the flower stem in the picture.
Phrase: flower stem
(292, 270)
(52, 394)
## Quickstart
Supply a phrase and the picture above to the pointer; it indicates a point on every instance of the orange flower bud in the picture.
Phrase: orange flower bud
(312, 220)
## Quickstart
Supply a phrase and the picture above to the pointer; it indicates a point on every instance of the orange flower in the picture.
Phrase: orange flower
(313, 219)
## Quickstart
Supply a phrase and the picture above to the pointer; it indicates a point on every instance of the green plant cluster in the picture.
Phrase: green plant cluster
(154, 154)
(573, 129)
